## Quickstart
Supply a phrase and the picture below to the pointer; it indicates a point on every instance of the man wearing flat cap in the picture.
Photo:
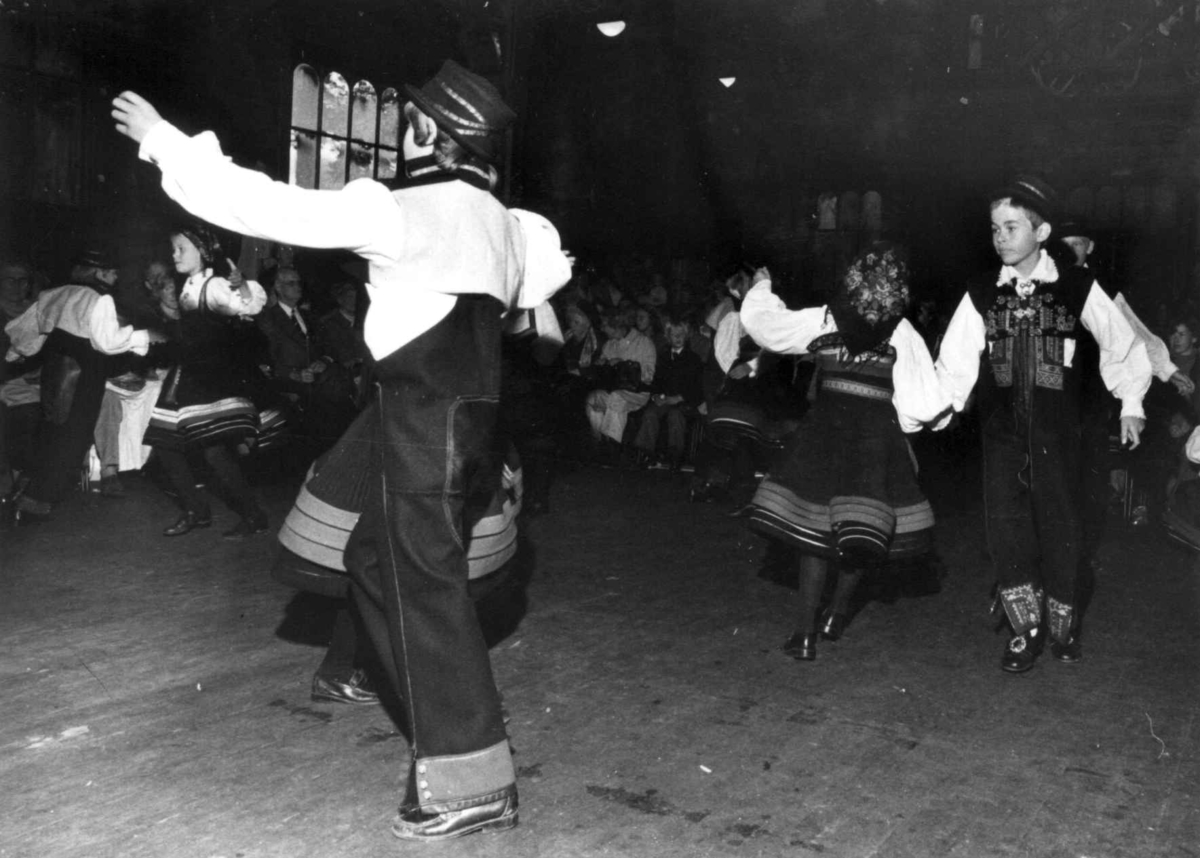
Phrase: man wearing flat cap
(76, 329)
(446, 260)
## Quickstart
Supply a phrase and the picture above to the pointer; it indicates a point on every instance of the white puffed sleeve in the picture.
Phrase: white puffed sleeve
(919, 398)
(776, 328)
(958, 358)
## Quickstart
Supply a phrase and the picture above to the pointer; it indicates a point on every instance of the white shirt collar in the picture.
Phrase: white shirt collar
(1045, 272)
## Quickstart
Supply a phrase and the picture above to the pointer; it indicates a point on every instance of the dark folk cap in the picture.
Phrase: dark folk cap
(1030, 192)
(466, 106)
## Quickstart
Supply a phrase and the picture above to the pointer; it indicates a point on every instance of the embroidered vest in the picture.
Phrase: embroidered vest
(1025, 373)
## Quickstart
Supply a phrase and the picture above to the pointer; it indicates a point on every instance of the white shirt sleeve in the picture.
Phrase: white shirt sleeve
(776, 328)
(958, 358)
(1124, 364)
(1156, 349)
(919, 399)
(361, 217)
(108, 335)
(24, 337)
(227, 301)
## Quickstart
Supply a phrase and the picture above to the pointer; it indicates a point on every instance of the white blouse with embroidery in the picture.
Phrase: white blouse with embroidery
(221, 297)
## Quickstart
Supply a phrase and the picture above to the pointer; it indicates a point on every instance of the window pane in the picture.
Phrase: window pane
(362, 112)
(335, 106)
(389, 119)
(388, 158)
(304, 97)
(362, 160)
(303, 168)
(333, 163)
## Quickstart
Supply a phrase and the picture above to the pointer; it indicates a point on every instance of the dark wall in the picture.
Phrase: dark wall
(630, 144)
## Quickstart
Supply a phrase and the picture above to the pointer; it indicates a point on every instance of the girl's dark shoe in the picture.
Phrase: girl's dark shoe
(801, 646)
(247, 527)
(188, 522)
(833, 626)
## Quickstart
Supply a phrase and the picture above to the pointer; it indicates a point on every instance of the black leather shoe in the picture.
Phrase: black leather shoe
(188, 522)
(1067, 652)
(247, 527)
(356, 690)
(416, 824)
(802, 647)
(833, 626)
(1021, 652)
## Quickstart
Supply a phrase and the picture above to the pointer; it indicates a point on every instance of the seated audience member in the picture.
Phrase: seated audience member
(675, 396)
(302, 367)
(339, 331)
(627, 360)
(77, 329)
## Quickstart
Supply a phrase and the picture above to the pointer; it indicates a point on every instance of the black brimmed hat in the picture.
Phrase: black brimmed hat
(466, 106)
(94, 257)
(1073, 227)
(1030, 192)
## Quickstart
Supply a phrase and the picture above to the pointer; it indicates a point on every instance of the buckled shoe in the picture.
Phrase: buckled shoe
(1021, 652)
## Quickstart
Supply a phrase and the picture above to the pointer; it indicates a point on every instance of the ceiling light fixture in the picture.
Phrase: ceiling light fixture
(727, 81)
(611, 28)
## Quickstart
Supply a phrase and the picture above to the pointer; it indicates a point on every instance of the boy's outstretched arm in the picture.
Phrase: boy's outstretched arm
(361, 217)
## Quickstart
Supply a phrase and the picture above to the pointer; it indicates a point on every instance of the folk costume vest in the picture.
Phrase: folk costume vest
(1031, 374)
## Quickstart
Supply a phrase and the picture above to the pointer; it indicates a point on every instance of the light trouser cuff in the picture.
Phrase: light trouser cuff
(463, 780)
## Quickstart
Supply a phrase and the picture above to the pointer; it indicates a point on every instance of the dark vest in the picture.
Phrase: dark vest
(1023, 383)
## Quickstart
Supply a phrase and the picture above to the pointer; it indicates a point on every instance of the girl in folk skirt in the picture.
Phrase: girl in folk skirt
(205, 405)
(845, 490)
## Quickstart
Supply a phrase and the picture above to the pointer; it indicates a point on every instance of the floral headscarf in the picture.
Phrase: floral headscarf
(874, 298)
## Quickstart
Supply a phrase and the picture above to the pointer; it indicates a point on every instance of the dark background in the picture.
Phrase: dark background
(630, 144)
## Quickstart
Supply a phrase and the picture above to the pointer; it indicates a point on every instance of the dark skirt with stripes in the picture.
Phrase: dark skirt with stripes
(845, 487)
(314, 534)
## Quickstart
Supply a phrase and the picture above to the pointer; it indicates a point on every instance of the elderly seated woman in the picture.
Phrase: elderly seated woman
(625, 371)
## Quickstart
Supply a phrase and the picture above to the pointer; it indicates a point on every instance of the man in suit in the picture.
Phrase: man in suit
(301, 366)
(675, 394)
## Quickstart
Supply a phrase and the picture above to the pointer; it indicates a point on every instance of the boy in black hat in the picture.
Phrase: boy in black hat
(1025, 317)
(446, 261)
(76, 329)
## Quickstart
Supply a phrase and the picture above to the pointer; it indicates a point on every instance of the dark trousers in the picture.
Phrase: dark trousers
(69, 418)
(1031, 500)
(438, 399)
(1095, 482)
(18, 434)
(653, 415)
(223, 463)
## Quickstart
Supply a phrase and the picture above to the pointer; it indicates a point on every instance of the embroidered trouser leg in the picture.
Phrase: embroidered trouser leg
(407, 560)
